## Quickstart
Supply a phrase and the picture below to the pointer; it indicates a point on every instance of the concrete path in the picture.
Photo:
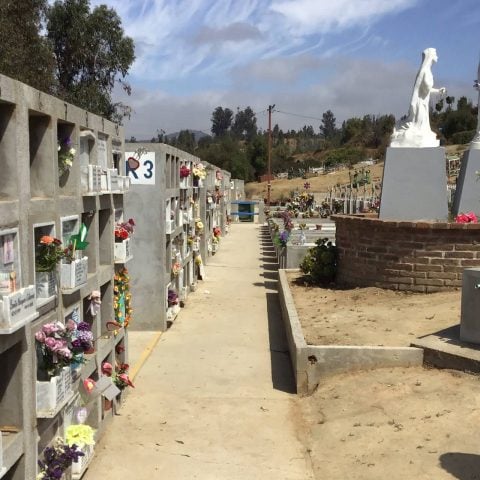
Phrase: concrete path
(215, 398)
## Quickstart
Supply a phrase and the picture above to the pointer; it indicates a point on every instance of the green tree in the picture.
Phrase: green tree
(257, 154)
(25, 55)
(185, 141)
(245, 124)
(221, 121)
(328, 127)
(91, 53)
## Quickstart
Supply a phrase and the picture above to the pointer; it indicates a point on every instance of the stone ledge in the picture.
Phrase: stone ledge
(311, 363)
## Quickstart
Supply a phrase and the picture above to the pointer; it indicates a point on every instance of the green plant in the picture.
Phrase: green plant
(48, 254)
(320, 263)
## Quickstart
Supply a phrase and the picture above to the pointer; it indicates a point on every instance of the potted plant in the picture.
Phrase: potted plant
(48, 254)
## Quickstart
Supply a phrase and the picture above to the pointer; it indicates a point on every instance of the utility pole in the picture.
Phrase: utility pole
(269, 185)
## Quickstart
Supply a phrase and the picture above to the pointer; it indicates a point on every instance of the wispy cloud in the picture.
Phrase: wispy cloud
(314, 15)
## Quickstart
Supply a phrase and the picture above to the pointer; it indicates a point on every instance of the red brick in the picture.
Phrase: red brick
(453, 283)
(446, 261)
(429, 254)
(470, 263)
(435, 289)
(444, 275)
(428, 268)
(459, 255)
(434, 282)
(400, 280)
(412, 288)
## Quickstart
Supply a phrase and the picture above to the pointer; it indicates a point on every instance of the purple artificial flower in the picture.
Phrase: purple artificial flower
(83, 326)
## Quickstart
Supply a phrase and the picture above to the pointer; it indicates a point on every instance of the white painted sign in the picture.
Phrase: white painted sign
(19, 305)
(140, 167)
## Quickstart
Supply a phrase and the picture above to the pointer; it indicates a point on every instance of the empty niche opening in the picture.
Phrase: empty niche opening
(41, 155)
(106, 308)
(11, 411)
(105, 231)
(8, 159)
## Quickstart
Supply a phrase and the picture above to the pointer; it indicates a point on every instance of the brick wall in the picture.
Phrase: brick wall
(412, 256)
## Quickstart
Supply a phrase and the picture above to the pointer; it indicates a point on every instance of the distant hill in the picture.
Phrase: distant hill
(197, 133)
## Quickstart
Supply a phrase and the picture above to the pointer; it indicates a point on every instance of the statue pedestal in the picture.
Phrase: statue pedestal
(467, 194)
(414, 185)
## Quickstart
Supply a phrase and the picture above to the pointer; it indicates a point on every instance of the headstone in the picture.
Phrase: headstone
(414, 185)
(467, 193)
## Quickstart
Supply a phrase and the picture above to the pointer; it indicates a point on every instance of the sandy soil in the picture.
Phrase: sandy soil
(402, 423)
(397, 424)
(371, 316)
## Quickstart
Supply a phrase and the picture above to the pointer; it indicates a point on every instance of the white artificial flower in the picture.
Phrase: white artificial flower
(72, 151)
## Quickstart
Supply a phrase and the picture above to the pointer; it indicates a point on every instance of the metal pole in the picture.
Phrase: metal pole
(269, 185)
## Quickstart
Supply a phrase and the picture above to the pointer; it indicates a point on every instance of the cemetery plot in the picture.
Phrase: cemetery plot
(371, 316)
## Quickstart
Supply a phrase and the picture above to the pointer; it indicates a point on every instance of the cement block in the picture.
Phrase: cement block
(470, 318)
(414, 185)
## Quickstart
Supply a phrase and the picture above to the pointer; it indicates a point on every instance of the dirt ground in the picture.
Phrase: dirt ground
(395, 423)
(371, 316)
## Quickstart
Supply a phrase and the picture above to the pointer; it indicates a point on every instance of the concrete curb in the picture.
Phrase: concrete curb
(311, 363)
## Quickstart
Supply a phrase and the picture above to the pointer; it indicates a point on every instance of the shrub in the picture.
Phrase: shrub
(320, 264)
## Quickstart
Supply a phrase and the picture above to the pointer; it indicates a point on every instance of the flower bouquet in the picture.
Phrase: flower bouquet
(123, 234)
(120, 376)
(172, 298)
(124, 230)
(281, 239)
(176, 268)
(48, 254)
(66, 155)
(469, 217)
(184, 171)
(63, 345)
(57, 459)
(122, 298)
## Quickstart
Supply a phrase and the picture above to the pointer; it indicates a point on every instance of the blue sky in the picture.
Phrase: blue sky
(354, 57)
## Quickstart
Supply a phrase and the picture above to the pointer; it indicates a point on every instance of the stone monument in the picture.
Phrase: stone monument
(414, 183)
(467, 194)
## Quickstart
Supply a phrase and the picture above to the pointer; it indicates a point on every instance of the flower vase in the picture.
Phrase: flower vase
(45, 284)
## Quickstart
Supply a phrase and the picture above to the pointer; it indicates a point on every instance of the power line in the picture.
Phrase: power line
(299, 115)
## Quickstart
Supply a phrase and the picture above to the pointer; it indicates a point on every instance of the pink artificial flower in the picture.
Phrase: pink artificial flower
(50, 328)
(40, 336)
(107, 368)
(50, 343)
(71, 326)
(64, 353)
(59, 345)
(472, 218)
(469, 217)
(124, 378)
